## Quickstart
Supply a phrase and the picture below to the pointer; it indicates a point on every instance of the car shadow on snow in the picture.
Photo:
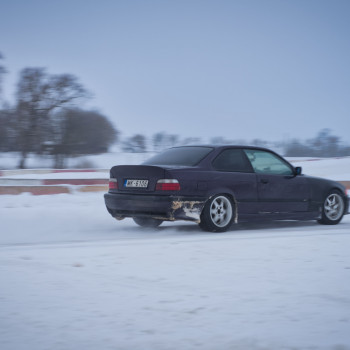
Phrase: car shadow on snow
(263, 225)
(188, 228)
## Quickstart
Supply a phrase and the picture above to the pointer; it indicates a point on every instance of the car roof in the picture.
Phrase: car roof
(223, 146)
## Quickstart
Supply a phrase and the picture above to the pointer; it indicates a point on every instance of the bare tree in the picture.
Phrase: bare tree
(2, 72)
(158, 141)
(191, 141)
(5, 136)
(79, 132)
(162, 140)
(323, 145)
(220, 140)
(259, 143)
(135, 144)
(39, 95)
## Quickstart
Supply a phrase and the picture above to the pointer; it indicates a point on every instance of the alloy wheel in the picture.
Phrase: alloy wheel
(221, 211)
(333, 207)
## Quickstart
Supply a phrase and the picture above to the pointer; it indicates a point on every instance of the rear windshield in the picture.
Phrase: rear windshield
(182, 156)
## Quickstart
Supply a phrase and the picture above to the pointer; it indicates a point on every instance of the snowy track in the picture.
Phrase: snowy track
(74, 278)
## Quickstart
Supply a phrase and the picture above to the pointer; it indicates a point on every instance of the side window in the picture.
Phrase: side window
(232, 160)
(267, 163)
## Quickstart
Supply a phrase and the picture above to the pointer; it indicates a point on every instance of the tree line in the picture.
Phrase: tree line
(44, 120)
(323, 145)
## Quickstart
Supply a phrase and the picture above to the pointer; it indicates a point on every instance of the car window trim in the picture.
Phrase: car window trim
(232, 171)
(211, 149)
(276, 155)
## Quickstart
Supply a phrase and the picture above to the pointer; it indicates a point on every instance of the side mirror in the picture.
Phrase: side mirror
(297, 170)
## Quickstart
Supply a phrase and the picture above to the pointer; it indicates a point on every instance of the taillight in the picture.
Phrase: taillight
(168, 185)
(113, 184)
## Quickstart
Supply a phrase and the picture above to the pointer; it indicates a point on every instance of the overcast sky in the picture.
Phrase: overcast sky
(238, 69)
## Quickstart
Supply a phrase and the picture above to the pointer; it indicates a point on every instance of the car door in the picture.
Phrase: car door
(234, 171)
(279, 189)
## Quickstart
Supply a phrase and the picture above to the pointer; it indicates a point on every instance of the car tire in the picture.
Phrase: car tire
(147, 222)
(332, 209)
(218, 214)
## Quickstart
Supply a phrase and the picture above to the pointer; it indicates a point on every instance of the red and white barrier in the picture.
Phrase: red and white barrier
(13, 172)
(44, 181)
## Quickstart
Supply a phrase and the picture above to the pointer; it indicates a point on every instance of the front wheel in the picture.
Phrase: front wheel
(217, 215)
(147, 222)
(333, 209)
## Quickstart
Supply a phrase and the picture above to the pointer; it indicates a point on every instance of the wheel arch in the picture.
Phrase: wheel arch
(342, 191)
(321, 187)
(337, 189)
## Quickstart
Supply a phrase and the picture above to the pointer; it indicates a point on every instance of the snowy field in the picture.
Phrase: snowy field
(72, 278)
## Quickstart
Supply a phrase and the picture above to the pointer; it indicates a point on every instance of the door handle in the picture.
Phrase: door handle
(264, 181)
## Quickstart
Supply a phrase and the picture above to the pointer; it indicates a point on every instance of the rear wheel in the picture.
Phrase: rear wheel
(333, 209)
(147, 222)
(217, 215)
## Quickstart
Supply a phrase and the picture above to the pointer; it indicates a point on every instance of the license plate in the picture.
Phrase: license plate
(136, 183)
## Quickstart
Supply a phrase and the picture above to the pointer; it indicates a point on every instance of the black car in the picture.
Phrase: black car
(218, 185)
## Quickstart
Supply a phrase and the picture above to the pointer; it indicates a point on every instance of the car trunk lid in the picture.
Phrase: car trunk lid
(138, 178)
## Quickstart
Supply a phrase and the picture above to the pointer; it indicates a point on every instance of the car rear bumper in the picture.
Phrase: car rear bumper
(167, 207)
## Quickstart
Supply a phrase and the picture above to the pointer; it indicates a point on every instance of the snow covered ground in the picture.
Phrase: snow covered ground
(71, 277)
